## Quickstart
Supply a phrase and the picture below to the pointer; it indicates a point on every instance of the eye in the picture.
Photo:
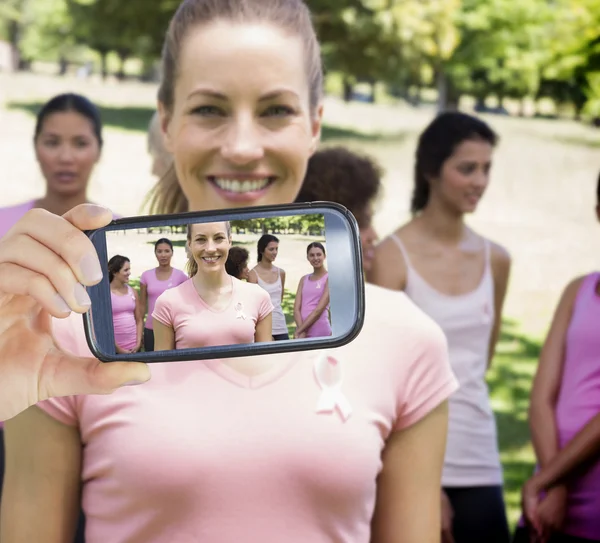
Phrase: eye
(207, 111)
(81, 143)
(278, 111)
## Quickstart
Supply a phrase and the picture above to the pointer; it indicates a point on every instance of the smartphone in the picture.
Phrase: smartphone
(181, 279)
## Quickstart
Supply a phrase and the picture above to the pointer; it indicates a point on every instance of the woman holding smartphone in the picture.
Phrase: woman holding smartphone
(211, 308)
(225, 450)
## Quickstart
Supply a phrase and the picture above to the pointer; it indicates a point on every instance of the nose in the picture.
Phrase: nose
(242, 143)
(65, 153)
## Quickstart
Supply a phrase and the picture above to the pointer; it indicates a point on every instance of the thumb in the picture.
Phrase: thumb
(88, 216)
(78, 375)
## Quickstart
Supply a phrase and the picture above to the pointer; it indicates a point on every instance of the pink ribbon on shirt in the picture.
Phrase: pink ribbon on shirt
(239, 309)
(328, 372)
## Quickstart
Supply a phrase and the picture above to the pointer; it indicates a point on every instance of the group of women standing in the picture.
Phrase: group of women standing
(235, 450)
(310, 308)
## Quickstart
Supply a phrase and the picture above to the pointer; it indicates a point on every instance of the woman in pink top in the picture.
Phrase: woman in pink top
(344, 445)
(311, 306)
(154, 282)
(562, 500)
(67, 142)
(459, 278)
(126, 308)
(212, 308)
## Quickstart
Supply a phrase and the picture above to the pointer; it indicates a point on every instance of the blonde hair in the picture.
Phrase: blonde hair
(291, 16)
(191, 266)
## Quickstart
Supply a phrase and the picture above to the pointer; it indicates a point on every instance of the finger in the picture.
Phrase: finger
(19, 251)
(63, 236)
(76, 375)
(18, 281)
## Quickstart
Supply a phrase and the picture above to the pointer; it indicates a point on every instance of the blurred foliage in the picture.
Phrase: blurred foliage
(482, 48)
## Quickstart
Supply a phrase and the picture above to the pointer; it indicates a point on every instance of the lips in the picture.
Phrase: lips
(242, 188)
(65, 177)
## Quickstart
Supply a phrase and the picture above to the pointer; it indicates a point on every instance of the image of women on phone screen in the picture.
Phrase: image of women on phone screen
(126, 307)
(212, 308)
(272, 279)
(311, 307)
(154, 282)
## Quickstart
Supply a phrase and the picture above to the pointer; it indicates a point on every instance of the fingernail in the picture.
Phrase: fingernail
(95, 210)
(82, 296)
(133, 383)
(60, 304)
(90, 268)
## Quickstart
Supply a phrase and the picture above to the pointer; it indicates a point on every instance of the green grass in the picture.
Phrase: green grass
(509, 379)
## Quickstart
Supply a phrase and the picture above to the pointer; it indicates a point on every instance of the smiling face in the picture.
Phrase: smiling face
(316, 257)
(210, 244)
(240, 129)
(464, 176)
(163, 253)
(67, 150)
(270, 252)
(124, 273)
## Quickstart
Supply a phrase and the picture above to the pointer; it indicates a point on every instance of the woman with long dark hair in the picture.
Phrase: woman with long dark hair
(272, 279)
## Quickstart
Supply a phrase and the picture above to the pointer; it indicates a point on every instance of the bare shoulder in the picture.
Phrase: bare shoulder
(409, 320)
(573, 286)
(499, 254)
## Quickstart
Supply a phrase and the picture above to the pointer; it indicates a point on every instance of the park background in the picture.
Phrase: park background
(531, 68)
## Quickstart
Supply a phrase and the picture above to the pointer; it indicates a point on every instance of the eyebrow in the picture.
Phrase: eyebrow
(211, 93)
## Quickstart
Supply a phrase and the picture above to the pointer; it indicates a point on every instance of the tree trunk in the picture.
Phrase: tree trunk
(442, 89)
(13, 39)
(122, 59)
(347, 90)
(103, 64)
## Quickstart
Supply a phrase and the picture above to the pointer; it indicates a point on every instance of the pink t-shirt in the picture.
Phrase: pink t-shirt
(204, 453)
(10, 215)
(198, 325)
(155, 287)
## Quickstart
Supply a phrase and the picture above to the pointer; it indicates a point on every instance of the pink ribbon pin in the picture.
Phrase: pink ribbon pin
(328, 372)
(240, 314)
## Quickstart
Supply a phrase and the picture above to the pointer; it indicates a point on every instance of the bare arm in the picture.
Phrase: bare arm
(407, 509)
(316, 312)
(252, 277)
(388, 269)
(164, 336)
(143, 298)
(282, 283)
(546, 383)
(40, 498)
(584, 447)
(264, 329)
(139, 321)
(500, 261)
(298, 304)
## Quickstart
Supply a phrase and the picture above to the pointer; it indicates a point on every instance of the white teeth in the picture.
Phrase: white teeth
(235, 185)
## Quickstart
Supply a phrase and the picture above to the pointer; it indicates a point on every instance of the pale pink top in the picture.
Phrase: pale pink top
(123, 314)
(204, 453)
(198, 325)
(472, 453)
(155, 287)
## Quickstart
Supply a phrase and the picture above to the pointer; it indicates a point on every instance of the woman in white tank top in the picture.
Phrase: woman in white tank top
(272, 279)
(459, 279)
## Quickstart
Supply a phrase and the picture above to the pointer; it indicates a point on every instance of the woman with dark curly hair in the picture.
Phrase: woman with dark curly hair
(336, 174)
(237, 263)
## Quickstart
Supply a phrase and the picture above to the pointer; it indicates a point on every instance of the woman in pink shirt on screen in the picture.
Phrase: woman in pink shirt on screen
(341, 445)
(67, 142)
(562, 500)
(311, 306)
(126, 308)
(154, 282)
(212, 308)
